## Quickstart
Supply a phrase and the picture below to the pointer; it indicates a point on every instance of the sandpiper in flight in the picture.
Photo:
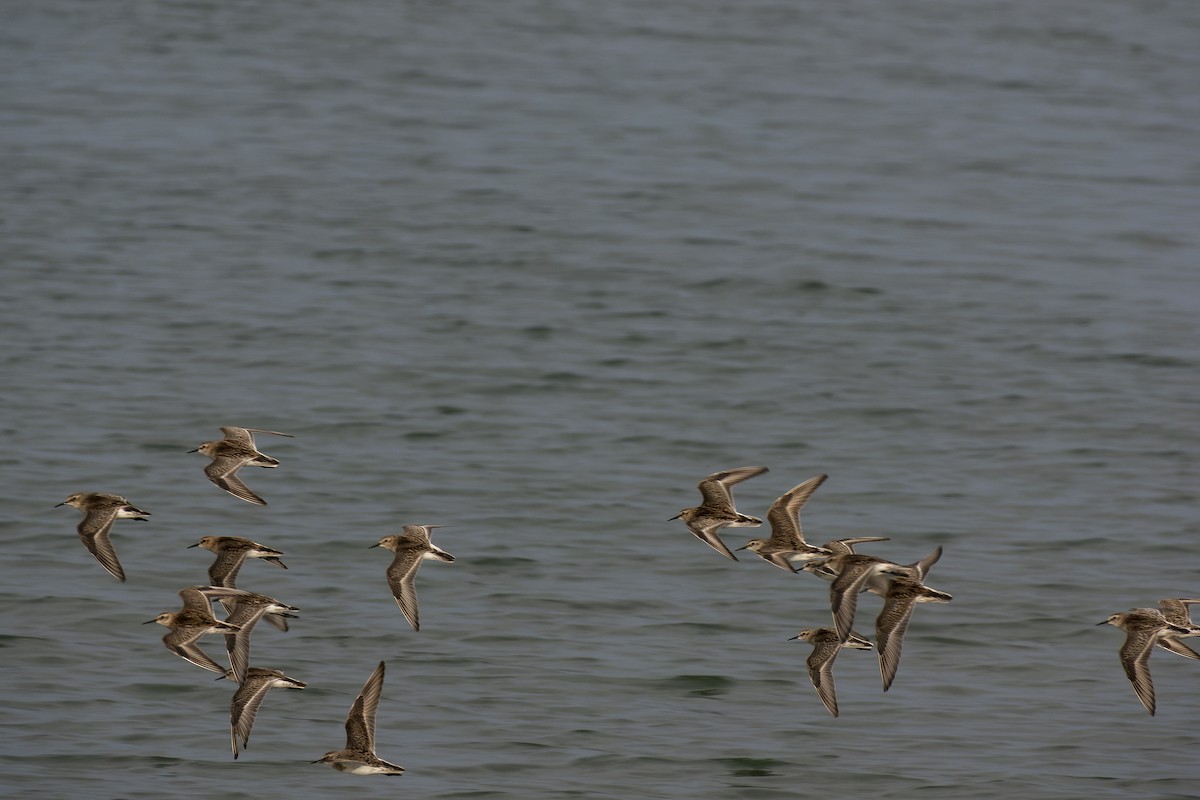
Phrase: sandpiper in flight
(101, 510)
(248, 698)
(787, 539)
(232, 552)
(820, 662)
(717, 511)
(1143, 627)
(358, 757)
(230, 454)
(192, 622)
(411, 548)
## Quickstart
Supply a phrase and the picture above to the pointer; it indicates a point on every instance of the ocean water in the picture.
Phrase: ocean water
(531, 270)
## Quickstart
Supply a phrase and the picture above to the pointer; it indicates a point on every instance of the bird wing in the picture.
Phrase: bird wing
(1135, 659)
(246, 616)
(925, 564)
(1175, 611)
(820, 671)
(240, 435)
(244, 707)
(843, 595)
(100, 545)
(708, 535)
(715, 488)
(890, 626)
(784, 514)
(182, 644)
(400, 579)
(360, 723)
(223, 472)
(1173, 645)
(224, 569)
(843, 546)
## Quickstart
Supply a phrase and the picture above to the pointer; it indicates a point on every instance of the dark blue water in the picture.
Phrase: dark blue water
(532, 270)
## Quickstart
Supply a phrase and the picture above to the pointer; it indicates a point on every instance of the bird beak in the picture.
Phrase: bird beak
(197, 450)
(63, 503)
(1102, 622)
(740, 548)
(374, 545)
(793, 638)
(147, 622)
(677, 516)
(190, 546)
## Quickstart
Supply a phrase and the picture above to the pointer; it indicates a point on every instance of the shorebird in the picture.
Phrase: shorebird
(787, 539)
(358, 757)
(230, 454)
(249, 696)
(232, 552)
(248, 609)
(411, 548)
(101, 510)
(1175, 611)
(192, 622)
(851, 573)
(901, 597)
(717, 511)
(820, 662)
(1144, 628)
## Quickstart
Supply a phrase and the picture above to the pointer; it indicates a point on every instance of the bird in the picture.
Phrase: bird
(787, 538)
(411, 548)
(248, 609)
(1143, 627)
(820, 662)
(852, 572)
(358, 757)
(717, 511)
(1175, 611)
(230, 454)
(249, 696)
(232, 552)
(898, 602)
(100, 511)
(192, 622)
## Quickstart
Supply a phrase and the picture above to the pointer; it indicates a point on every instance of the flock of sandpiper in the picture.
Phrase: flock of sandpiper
(900, 585)
(244, 609)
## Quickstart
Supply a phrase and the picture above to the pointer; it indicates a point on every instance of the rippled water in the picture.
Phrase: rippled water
(531, 270)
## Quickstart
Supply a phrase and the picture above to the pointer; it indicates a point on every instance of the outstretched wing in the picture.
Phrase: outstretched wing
(784, 514)
(715, 488)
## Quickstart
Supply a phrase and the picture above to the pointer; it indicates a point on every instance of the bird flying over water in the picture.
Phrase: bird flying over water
(717, 511)
(230, 454)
